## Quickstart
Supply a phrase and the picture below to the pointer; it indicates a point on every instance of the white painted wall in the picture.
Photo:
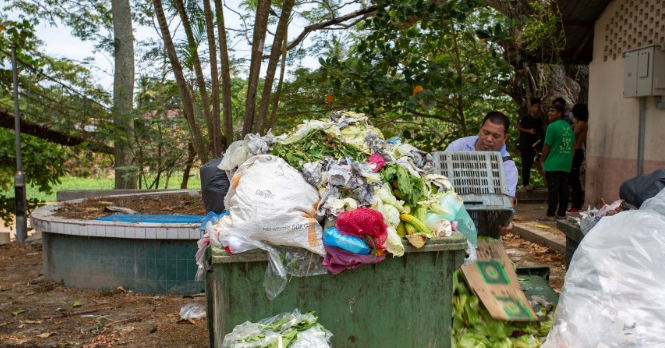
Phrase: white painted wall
(612, 142)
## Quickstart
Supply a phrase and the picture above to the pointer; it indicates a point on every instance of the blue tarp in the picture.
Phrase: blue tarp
(158, 218)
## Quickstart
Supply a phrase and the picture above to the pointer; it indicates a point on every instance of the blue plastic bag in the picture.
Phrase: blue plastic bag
(356, 245)
(213, 218)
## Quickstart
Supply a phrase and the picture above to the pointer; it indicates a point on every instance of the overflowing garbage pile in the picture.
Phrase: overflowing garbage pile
(334, 190)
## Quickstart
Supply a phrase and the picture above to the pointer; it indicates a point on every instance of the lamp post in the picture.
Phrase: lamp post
(19, 177)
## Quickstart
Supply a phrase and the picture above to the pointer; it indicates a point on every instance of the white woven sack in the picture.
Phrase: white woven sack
(269, 201)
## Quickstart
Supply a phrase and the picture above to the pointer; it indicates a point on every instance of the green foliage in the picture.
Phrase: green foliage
(421, 71)
(17, 34)
(41, 163)
(536, 28)
(542, 28)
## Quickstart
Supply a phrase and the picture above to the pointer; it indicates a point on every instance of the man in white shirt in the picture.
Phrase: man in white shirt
(492, 137)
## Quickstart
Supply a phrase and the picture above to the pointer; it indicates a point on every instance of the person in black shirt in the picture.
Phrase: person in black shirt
(531, 144)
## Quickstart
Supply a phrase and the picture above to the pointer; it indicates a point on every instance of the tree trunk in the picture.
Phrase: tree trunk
(280, 36)
(278, 93)
(123, 94)
(226, 73)
(214, 79)
(200, 80)
(188, 104)
(258, 41)
(191, 156)
(561, 85)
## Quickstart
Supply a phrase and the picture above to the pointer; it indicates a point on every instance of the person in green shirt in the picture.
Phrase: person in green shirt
(557, 159)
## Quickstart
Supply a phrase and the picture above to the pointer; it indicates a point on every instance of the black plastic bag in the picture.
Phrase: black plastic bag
(214, 186)
(638, 189)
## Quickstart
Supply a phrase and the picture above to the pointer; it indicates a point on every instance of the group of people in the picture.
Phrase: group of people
(558, 151)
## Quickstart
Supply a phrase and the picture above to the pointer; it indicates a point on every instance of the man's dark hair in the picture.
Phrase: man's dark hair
(561, 101)
(498, 118)
(559, 107)
(535, 101)
(581, 112)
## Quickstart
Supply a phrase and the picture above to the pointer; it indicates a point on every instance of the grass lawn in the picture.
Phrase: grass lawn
(74, 183)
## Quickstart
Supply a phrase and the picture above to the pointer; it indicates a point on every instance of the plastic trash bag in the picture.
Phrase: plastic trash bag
(214, 186)
(591, 216)
(192, 310)
(234, 156)
(453, 205)
(281, 260)
(294, 329)
(338, 260)
(260, 145)
(638, 189)
(613, 294)
(314, 337)
(353, 244)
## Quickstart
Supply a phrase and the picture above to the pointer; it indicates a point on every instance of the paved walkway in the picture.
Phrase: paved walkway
(531, 206)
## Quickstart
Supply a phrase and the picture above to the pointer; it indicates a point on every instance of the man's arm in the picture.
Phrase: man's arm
(543, 156)
(525, 130)
(510, 171)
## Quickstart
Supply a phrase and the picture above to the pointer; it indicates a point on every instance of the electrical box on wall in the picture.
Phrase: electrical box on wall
(644, 72)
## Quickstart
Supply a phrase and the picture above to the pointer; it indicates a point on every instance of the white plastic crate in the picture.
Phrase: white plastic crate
(476, 175)
(478, 179)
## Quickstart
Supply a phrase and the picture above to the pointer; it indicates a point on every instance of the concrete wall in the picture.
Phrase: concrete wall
(612, 142)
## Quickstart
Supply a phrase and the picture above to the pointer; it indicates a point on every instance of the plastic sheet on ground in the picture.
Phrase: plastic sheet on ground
(613, 294)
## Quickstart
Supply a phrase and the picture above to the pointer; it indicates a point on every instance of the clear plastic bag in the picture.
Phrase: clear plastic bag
(454, 206)
(294, 329)
(192, 310)
(613, 294)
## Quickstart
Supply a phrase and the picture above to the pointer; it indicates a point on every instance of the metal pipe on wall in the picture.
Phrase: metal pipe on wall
(640, 136)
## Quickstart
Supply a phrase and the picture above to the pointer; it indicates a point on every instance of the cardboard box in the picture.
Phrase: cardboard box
(493, 279)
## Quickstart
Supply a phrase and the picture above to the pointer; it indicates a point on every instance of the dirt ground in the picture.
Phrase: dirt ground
(39, 313)
(176, 203)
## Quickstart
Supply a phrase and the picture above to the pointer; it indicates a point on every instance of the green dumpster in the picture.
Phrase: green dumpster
(400, 302)
(535, 281)
(574, 237)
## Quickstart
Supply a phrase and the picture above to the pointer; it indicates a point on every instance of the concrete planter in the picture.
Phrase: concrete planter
(142, 257)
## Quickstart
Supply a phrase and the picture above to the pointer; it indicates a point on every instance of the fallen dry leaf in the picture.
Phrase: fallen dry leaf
(46, 335)
(188, 320)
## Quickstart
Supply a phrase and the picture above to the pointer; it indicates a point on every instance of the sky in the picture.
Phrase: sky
(59, 42)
